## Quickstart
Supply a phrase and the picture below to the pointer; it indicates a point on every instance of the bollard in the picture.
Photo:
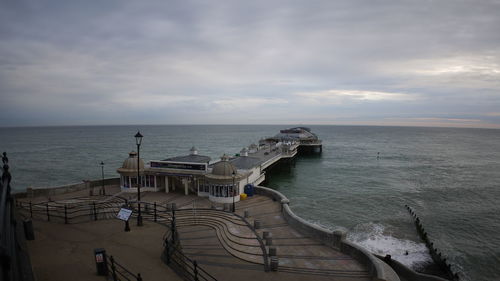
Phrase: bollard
(246, 214)
(154, 206)
(269, 240)
(338, 237)
(274, 263)
(256, 224)
(65, 214)
(272, 251)
(29, 233)
(31, 210)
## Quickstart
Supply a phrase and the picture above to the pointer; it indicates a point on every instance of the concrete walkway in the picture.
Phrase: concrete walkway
(62, 252)
(223, 244)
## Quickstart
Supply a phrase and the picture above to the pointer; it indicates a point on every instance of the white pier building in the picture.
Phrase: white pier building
(221, 181)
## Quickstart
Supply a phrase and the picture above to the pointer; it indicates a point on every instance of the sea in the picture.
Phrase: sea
(360, 183)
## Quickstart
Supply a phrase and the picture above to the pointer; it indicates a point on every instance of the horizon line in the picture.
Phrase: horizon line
(457, 126)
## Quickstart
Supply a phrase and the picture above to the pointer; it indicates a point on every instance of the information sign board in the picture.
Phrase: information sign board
(124, 214)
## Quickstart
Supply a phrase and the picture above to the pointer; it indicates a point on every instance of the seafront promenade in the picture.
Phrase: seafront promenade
(247, 245)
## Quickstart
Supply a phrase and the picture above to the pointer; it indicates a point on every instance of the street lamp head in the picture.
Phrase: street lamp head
(102, 163)
(138, 138)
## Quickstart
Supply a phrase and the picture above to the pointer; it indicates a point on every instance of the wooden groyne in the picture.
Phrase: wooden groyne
(438, 258)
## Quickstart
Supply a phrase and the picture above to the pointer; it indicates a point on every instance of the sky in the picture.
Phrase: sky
(373, 62)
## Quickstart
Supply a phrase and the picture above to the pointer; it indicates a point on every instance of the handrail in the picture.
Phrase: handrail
(182, 264)
(124, 274)
(15, 264)
(151, 211)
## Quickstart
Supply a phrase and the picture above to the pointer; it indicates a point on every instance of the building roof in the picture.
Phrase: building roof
(300, 133)
(224, 168)
(192, 158)
(245, 162)
(130, 164)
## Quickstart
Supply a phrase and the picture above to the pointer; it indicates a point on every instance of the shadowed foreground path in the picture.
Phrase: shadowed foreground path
(62, 251)
(222, 243)
(239, 253)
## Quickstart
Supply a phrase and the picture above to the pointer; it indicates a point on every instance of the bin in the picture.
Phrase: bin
(29, 233)
(249, 190)
(101, 261)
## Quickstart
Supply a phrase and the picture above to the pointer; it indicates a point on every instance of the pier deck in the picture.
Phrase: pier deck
(223, 244)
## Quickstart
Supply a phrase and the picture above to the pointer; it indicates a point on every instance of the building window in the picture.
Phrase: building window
(125, 181)
(148, 181)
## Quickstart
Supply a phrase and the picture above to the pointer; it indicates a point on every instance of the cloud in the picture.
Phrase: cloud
(347, 96)
(247, 103)
(327, 61)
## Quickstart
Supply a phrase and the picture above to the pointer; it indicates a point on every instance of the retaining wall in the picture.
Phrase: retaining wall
(48, 191)
(333, 239)
(409, 274)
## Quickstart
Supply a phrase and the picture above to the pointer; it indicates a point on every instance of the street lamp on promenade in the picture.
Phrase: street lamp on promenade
(138, 140)
(234, 191)
(102, 172)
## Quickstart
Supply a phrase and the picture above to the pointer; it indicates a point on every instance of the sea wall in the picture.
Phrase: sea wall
(335, 239)
(409, 274)
(49, 191)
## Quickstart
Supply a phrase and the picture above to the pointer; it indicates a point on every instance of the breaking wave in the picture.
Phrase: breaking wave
(376, 239)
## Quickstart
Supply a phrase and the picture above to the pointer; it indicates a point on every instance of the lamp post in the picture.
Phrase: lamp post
(102, 172)
(138, 140)
(234, 206)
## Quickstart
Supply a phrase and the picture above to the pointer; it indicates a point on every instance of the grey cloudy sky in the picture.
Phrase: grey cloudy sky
(419, 62)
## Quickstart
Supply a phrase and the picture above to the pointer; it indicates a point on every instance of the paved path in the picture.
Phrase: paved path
(300, 258)
(222, 243)
(65, 252)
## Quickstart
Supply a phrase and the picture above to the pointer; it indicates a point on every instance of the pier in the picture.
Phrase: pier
(197, 219)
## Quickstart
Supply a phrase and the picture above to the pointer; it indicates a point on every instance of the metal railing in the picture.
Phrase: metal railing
(120, 272)
(15, 264)
(173, 256)
(68, 213)
(72, 212)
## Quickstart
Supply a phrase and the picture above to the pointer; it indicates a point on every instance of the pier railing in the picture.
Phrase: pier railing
(79, 212)
(15, 264)
(121, 273)
(72, 212)
(173, 256)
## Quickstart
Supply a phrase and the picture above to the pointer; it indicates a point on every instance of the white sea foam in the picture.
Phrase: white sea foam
(373, 237)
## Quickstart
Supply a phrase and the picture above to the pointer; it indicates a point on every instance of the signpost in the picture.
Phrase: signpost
(124, 215)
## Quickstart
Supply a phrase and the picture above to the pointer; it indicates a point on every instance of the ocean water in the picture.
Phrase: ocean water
(450, 177)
